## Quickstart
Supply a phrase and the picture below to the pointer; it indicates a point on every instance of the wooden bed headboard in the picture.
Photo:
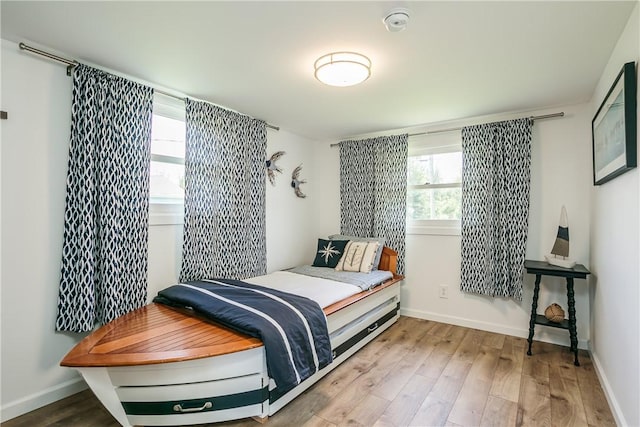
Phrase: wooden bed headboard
(389, 260)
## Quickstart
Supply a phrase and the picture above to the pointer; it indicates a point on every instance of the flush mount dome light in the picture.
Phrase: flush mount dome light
(342, 68)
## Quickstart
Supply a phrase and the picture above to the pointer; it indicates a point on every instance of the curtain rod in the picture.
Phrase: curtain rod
(72, 63)
(429, 132)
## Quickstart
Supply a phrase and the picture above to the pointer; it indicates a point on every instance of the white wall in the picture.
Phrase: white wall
(290, 234)
(615, 260)
(560, 174)
(37, 95)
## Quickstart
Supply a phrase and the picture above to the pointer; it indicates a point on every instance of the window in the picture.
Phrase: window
(434, 190)
(166, 181)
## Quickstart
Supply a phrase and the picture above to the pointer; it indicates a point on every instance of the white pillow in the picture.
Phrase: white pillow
(358, 256)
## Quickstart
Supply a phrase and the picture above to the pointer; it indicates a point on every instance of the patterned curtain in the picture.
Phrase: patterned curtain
(373, 190)
(495, 207)
(104, 254)
(224, 224)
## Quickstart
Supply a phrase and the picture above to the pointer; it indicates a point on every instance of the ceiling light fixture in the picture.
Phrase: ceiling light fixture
(342, 68)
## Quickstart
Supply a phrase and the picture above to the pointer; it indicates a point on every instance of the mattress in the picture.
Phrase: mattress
(323, 291)
(365, 281)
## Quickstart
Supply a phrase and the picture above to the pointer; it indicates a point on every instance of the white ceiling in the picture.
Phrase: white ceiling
(455, 59)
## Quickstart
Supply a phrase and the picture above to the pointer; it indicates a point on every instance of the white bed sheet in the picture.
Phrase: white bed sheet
(323, 291)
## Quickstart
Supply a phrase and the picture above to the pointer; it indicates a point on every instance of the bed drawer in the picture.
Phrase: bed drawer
(198, 402)
(366, 320)
(362, 332)
(347, 315)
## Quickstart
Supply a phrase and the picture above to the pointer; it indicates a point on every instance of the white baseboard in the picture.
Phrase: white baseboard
(544, 334)
(608, 392)
(40, 399)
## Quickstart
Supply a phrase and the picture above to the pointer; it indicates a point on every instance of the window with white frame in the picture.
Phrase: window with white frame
(166, 181)
(434, 189)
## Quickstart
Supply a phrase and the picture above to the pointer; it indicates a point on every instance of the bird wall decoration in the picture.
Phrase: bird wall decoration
(296, 182)
(272, 168)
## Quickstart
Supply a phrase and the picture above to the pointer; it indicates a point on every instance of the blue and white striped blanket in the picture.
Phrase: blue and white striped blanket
(292, 328)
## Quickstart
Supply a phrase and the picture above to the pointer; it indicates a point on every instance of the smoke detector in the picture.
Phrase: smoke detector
(396, 20)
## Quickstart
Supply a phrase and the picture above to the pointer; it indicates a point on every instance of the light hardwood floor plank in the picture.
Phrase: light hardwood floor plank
(403, 408)
(469, 346)
(472, 398)
(338, 409)
(441, 329)
(494, 340)
(535, 402)
(499, 413)
(435, 363)
(435, 409)
(368, 411)
(595, 403)
(433, 412)
(398, 377)
(536, 368)
(506, 381)
(566, 403)
(318, 422)
(338, 379)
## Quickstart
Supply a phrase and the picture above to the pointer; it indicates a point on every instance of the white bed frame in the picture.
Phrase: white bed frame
(229, 386)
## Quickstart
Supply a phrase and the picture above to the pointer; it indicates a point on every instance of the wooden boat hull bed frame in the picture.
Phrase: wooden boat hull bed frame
(165, 366)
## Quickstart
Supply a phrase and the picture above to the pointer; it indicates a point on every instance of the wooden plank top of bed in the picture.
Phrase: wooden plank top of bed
(160, 334)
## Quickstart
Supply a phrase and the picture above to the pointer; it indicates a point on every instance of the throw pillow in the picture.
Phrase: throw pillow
(380, 240)
(358, 256)
(329, 252)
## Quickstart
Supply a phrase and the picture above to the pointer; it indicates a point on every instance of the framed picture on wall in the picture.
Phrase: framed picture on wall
(614, 129)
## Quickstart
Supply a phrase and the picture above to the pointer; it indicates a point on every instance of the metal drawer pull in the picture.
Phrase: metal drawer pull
(372, 328)
(179, 408)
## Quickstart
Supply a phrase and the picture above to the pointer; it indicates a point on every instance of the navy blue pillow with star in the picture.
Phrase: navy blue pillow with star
(329, 252)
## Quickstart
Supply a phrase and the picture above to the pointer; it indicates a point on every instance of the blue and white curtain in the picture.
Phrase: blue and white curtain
(373, 190)
(104, 254)
(224, 223)
(495, 206)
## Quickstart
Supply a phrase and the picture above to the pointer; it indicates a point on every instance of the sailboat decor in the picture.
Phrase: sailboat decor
(560, 252)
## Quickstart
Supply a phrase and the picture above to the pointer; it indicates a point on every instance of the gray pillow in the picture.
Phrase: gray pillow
(381, 240)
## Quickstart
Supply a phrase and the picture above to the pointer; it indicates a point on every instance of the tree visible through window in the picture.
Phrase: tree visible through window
(434, 189)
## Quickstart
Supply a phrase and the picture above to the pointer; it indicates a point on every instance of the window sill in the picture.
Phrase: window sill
(166, 213)
(431, 230)
(166, 219)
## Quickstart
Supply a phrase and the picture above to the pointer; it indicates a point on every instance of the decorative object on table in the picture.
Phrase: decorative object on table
(554, 313)
(296, 182)
(560, 252)
(272, 168)
(614, 129)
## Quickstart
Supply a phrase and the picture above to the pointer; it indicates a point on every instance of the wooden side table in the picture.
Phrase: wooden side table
(540, 268)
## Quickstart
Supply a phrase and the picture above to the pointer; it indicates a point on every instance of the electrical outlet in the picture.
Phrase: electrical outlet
(444, 291)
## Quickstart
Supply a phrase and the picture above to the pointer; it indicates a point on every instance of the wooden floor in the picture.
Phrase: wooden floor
(419, 373)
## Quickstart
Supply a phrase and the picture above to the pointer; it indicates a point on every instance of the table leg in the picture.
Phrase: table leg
(534, 311)
(573, 333)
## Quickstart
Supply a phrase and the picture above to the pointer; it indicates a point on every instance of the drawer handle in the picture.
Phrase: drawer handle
(179, 408)
(372, 328)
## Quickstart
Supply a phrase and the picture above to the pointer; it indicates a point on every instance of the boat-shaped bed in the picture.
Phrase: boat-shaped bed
(161, 365)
